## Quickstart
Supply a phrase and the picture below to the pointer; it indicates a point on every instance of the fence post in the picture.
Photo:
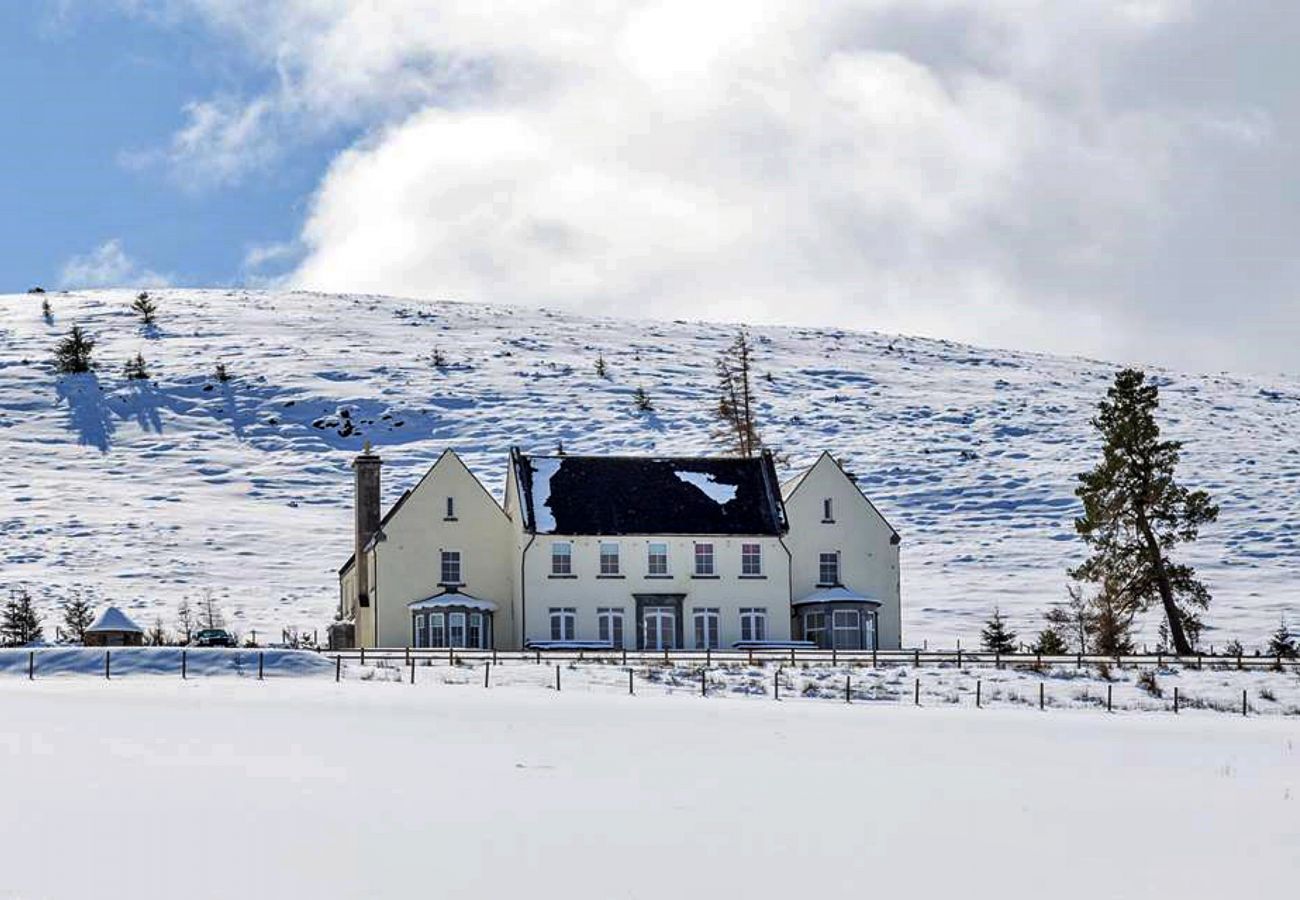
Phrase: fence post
(704, 683)
(1042, 696)
(708, 655)
(1079, 662)
(363, 656)
(1238, 662)
(873, 656)
(792, 662)
(260, 663)
(625, 655)
(451, 656)
(959, 656)
(834, 656)
(776, 684)
(494, 654)
(1243, 701)
(487, 673)
(916, 693)
(538, 651)
(338, 668)
(107, 664)
(916, 658)
(1199, 662)
(848, 691)
(557, 676)
(185, 664)
(408, 656)
(1109, 689)
(630, 690)
(1175, 698)
(978, 685)
(411, 663)
(31, 665)
(997, 660)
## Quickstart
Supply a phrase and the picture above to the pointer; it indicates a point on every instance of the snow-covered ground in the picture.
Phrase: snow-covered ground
(150, 787)
(142, 493)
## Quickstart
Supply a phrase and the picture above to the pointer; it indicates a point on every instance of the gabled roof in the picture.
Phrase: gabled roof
(113, 619)
(608, 495)
(788, 489)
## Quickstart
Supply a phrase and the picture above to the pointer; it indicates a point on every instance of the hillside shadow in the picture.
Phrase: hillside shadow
(88, 412)
(230, 403)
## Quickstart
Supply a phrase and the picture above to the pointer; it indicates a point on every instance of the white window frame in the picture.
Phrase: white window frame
(651, 556)
(610, 622)
(822, 556)
(745, 558)
(474, 631)
(566, 555)
(705, 550)
(809, 631)
(855, 629)
(567, 618)
(753, 623)
(420, 637)
(438, 626)
(609, 550)
(444, 557)
(708, 619)
(454, 621)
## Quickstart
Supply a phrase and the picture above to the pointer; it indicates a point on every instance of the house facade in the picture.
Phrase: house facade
(630, 553)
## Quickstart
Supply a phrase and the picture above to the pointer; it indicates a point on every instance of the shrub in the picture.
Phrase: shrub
(222, 374)
(1146, 680)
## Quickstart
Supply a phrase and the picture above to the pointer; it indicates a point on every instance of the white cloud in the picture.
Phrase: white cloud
(1110, 178)
(108, 266)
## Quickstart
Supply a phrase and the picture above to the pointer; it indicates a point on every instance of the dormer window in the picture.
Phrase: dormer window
(451, 510)
(828, 510)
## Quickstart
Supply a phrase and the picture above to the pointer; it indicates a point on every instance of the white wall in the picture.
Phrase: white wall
(869, 562)
(408, 561)
(586, 593)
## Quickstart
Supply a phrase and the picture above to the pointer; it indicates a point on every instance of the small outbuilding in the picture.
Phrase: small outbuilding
(114, 629)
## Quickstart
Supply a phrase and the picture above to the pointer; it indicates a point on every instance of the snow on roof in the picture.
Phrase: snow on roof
(718, 493)
(113, 619)
(839, 594)
(544, 467)
(446, 599)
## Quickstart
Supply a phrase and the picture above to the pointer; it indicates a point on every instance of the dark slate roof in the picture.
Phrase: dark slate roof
(608, 495)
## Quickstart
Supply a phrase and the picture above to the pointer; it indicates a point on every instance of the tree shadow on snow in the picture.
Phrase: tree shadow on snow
(88, 412)
(230, 403)
(145, 401)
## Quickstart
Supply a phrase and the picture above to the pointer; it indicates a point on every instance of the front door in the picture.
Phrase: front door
(660, 625)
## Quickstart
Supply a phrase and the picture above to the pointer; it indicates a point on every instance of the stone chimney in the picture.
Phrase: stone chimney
(366, 506)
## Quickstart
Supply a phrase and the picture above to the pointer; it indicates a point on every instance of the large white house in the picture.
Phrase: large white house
(626, 552)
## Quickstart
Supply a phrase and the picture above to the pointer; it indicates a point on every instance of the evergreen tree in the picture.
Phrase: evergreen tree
(147, 309)
(47, 312)
(642, 400)
(1135, 513)
(222, 375)
(439, 359)
(136, 369)
(996, 637)
(1110, 622)
(1050, 643)
(20, 623)
(72, 355)
(602, 371)
(1282, 643)
(1234, 648)
(737, 408)
(77, 616)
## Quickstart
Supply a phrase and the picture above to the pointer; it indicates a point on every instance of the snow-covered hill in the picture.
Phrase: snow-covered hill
(144, 492)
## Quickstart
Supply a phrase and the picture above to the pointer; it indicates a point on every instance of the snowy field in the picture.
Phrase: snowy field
(220, 787)
(142, 493)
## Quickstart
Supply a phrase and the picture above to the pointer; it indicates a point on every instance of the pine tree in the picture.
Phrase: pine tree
(147, 309)
(1282, 644)
(1135, 513)
(642, 400)
(737, 408)
(136, 369)
(77, 617)
(439, 359)
(996, 637)
(72, 355)
(20, 623)
(1050, 643)
(1110, 622)
(602, 371)
(47, 312)
(222, 375)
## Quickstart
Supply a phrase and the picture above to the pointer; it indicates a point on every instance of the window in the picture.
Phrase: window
(703, 559)
(610, 622)
(609, 559)
(451, 508)
(753, 623)
(828, 569)
(451, 567)
(828, 510)
(456, 629)
(419, 631)
(706, 629)
(564, 623)
(657, 559)
(847, 629)
(476, 630)
(751, 559)
(437, 630)
(814, 628)
(561, 558)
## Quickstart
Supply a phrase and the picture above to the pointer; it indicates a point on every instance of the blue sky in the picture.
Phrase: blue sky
(1113, 179)
(88, 93)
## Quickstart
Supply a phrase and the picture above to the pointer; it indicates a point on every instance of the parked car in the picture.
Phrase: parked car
(214, 637)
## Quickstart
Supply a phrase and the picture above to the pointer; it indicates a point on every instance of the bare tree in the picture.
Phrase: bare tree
(209, 612)
(185, 621)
